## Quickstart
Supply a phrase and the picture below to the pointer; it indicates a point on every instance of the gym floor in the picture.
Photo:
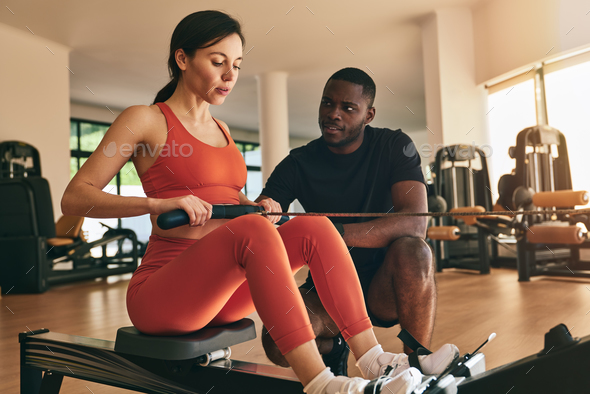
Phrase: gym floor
(470, 307)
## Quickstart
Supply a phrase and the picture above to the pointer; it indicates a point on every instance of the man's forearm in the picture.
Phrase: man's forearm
(381, 232)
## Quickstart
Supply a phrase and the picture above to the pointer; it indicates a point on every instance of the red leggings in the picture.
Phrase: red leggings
(246, 265)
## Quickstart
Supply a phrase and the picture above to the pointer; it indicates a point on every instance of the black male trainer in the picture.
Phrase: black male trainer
(354, 167)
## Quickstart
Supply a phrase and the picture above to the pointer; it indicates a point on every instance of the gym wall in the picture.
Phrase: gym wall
(513, 35)
(35, 102)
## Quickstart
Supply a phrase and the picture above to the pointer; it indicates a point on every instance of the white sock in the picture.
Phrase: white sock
(319, 383)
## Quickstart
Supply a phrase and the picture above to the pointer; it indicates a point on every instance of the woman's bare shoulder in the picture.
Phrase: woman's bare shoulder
(224, 125)
(142, 118)
(142, 114)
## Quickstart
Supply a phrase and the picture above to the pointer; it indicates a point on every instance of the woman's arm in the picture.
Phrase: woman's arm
(244, 200)
(84, 195)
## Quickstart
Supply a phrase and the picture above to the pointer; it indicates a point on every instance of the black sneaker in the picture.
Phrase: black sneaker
(337, 359)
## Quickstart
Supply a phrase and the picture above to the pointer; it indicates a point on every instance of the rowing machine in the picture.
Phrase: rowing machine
(192, 364)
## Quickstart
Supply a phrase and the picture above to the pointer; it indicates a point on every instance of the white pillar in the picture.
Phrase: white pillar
(432, 81)
(274, 120)
(455, 104)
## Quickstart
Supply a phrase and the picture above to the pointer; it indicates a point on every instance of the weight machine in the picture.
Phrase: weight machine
(547, 244)
(31, 244)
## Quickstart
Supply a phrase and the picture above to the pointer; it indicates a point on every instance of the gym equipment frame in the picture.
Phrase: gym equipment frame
(547, 244)
(460, 179)
(27, 259)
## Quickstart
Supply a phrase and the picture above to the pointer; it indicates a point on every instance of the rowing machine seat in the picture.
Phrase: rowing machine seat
(131, 341)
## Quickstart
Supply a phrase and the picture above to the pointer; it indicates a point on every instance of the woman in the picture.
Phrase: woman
(214, 272)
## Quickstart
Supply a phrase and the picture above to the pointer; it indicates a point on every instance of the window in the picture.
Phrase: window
(561, 86)
(511, 109)
(84, 138)
(566, 88)
(252, 157)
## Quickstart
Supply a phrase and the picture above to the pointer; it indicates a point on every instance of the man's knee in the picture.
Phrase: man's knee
(272, 350)
(412, 256)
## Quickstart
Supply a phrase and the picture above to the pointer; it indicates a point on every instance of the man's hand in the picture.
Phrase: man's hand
(271, 205)
(267, 203)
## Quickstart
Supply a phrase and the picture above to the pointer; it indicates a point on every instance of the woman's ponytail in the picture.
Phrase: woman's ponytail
(166, 92)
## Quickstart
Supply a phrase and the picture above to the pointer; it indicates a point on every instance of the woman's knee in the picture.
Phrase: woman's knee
(255, 238)
(251, 225)
(313, 224)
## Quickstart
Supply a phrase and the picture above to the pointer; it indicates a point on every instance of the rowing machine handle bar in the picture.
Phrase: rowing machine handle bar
(179, 217)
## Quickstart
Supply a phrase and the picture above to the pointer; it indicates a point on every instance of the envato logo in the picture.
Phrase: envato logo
(135, 150)
(459, 151)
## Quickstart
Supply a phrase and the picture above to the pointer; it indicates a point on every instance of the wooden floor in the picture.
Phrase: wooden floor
(470, 307)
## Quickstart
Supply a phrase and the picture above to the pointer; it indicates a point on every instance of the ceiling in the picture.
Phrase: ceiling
(119, 50)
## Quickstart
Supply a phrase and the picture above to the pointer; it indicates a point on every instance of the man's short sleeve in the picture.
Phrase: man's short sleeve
(281, 185)
(405, 163)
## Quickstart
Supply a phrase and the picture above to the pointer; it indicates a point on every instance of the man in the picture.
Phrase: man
(354, 167)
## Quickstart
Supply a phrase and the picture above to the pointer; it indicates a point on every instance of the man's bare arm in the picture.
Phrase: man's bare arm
(407, 196)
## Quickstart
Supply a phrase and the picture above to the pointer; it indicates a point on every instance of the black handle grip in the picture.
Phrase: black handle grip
(283, 220)
(178, 217)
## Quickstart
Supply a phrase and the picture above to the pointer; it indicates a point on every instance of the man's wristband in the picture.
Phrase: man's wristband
(340, 228)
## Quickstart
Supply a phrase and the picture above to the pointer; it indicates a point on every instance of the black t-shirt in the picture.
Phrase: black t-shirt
(361, 181)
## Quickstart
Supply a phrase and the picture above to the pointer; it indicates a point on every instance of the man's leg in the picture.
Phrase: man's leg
(404, 288)
(323, 327)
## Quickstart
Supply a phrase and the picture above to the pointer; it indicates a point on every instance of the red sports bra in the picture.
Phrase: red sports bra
(186, 165)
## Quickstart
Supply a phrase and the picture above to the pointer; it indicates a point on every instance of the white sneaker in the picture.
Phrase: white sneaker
(404, 383)
(392, 364)
(436, 363)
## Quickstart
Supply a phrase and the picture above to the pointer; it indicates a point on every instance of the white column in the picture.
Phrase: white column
(274, 120)
(432, 80)
(455, 104)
